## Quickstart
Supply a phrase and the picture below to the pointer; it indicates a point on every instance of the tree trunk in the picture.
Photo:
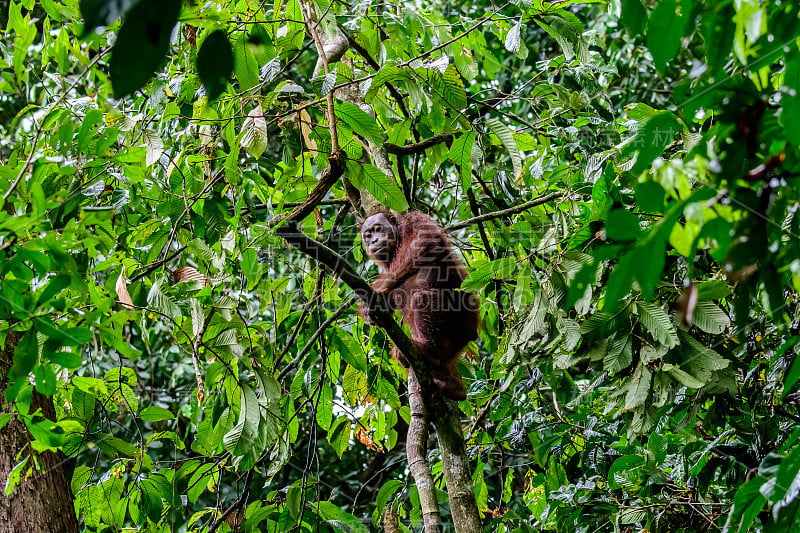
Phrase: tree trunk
(416, 452)
(43, 502)
(456, 469)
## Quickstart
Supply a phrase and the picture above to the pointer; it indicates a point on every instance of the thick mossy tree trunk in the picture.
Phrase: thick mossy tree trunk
(42, 503)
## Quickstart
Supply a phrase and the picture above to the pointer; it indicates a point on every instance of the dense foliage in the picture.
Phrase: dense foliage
(636, 367)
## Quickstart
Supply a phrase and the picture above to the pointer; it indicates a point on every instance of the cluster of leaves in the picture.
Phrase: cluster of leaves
(635, 367)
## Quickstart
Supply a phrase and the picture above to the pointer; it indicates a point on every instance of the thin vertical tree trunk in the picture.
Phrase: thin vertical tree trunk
(456, 469)
(42, 503)
(416, 452)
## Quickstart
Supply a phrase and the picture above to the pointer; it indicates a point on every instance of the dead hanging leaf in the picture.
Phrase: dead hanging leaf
(687, 302)
(366, 439)
(391, 520)
(189, 274)
(190, 33)
(123, 295)
(305, 128)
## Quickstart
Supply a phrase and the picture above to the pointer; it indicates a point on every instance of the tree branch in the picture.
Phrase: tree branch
(311, 23)
(419, 147)
(329, 176)
(416, 452)
(505, 212)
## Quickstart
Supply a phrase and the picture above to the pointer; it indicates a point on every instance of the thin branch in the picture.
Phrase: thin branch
(317, 334)
(419, 147)
(506, 212)
(329, 176)
(235, 505)
(155, 264)
(311, 24)
(355, 45)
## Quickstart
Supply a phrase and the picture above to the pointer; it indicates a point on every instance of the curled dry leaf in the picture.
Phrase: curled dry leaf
(123, 295)
(366, 439)
(189, 274)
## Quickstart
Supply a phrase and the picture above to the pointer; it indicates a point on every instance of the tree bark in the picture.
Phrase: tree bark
(42, 503)
(456, 469)
(416, 452)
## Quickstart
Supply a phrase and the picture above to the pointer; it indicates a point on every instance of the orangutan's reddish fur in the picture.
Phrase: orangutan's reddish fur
(421, 274)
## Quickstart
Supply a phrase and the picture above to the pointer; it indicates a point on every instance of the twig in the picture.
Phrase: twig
(417, 148)
(329, 176)
(320, 330)
(505, 212)
(155, 264)
(311, 24)
(235, 505)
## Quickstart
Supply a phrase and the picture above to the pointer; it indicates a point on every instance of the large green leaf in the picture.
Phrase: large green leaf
(358, 119)
(142, 44)
(666, 28)
(215, 63)
(506, 137)
(239, 440)
(657, 322)
(383, 188)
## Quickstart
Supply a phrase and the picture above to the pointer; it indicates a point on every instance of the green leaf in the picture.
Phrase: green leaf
(324, 410)
(339, 435)
(719, 28)
(450, 87)
(386, 492)
(637, 388)
(387, 74)
(338, 518)
(626, 472)
(619, 282)
(506, 137)
(793, 375)
(161, 301)
(244, 64)
(14, 477)
(253, 137)
(536, 317)
(666, 28)
(154, 413)
(360, 122)
(215, 63)
(619, 355)
(657, 322)
(461, 154)
(142, 44)
(710, 318)
(622, 225)
(101, 13)
(650, 195)
(633, 16)
(747, 504)
(790, 100)
(239, 440)
(26, 355)
(483, 274)
(683, 377)
(383, 188)
(652, 138)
